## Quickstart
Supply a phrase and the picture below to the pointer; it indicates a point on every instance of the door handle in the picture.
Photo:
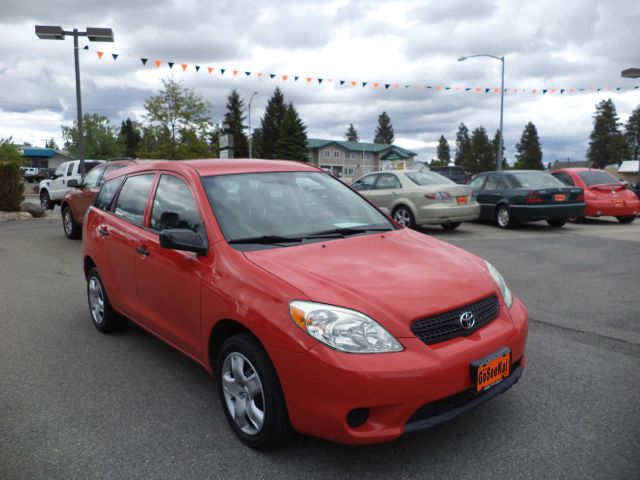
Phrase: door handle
(142, 251)
(103, 231)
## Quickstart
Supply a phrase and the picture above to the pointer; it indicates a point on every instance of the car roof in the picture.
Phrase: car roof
(219, 166)
(579, 169)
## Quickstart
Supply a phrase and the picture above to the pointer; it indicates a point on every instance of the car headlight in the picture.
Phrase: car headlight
(502, 285)
(342, 329)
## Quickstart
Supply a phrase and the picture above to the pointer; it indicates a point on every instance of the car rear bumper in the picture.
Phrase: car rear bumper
(323, 387)
(544, 212)
(447, 213)
(606, 208)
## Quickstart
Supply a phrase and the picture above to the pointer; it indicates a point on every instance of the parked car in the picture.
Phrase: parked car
(604, 195)
(30, 174)
(457, 174)
(52, 190)
(76, 201)
(419, 197)
(512, 196)
(314, 311)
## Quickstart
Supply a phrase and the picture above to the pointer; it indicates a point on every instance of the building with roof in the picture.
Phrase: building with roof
(354, 159)
(43, 157)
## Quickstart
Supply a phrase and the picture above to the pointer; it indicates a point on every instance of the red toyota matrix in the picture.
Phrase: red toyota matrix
(312, 309)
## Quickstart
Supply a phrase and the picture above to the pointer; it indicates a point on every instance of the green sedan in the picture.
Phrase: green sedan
(513, 196)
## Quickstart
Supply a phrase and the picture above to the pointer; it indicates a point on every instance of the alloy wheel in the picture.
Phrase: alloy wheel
(96, 301)
(403, 217)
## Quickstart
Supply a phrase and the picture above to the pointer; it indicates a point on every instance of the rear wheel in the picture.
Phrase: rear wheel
(404, 217)
(45, 200)
(251, 394)
(576, 219)
(627, 219)
(555, 222)
(104, 317)
(71, 229)
(451, 226)
(503, 217)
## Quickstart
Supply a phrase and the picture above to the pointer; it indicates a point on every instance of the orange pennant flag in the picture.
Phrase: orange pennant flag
(309, 79)
(571, 90)
(477, 89)
(260, 74)
(157, 62)
(396, 85)
(457, 89)
(515, 90)
(184, 67)
(438, 87)
(353, 83)
(285, 77)
(235, 72)
(210, 69)
(534, 91)
(100, 54)
(553, 90)
(375, 85)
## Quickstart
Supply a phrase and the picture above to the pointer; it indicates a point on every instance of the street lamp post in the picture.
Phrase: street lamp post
(461, 59)
(45, 32)
(250, 133)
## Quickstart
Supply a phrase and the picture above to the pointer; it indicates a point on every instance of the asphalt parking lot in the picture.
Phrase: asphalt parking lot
(78, 404)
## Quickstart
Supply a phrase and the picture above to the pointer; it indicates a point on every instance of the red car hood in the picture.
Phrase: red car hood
(395, 278)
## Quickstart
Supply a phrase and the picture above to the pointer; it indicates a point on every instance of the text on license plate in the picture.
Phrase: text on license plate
(559, 197)
(461, 200)
(618, 202)
(492, 371)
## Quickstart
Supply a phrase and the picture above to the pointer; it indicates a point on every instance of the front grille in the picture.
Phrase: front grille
(447, 325)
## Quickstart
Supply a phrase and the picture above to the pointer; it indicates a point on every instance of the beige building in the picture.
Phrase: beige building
(351, 160)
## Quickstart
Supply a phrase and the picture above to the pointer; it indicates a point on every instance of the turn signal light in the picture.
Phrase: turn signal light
(438, 196)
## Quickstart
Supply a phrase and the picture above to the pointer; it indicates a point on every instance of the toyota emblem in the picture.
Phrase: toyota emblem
(467, 320)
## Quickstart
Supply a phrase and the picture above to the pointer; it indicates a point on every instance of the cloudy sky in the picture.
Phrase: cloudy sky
(548, 44)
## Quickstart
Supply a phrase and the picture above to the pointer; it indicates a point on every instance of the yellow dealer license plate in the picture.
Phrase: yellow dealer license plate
(491, 369)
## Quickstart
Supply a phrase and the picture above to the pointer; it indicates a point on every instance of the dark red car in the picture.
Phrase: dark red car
(604, 195)
(313, 310)
(76, 201)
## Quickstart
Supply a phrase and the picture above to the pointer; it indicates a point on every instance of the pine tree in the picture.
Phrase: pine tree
(292, 141)
(632, 134)
(483, 152)
(495, 143)
(130, 137)
(464, 155)
(352, 134)
(265, 139)
(235, 120)
(444, 152)
(606, 143)
(529, 156)
(384, 131)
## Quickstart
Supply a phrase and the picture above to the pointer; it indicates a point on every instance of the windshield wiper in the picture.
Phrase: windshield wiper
(267, 239)
(345, 231)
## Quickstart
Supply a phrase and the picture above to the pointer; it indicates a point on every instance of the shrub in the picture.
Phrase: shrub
(11, 187)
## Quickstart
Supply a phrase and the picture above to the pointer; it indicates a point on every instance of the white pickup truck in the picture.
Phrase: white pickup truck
(53, 189)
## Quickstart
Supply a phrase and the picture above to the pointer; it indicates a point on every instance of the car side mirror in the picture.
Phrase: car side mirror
(185, 240)
(74, 183)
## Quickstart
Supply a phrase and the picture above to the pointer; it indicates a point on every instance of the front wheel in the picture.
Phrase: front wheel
(45, 200)
(627, 219)
(556, 223)
(71, 229)
(451, 226)
(251, 394)
(503, 217)
(404, 216)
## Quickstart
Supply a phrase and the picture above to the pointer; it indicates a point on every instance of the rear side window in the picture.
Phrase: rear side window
(387, 180)
(173, 206)
(91, 180)
(133, 196)
(107, 192)
(564, 178)
(537, 180)
(365, 183)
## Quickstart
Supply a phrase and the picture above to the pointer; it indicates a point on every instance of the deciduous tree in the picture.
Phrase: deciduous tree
(100, 139)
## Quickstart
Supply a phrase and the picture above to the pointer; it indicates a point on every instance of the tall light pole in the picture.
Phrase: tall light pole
(250, 134)
(461, 59)
(46, 32)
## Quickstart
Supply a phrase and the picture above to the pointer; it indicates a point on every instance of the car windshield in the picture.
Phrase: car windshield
(257, 210)
(428, 178)
(594, 177)
(537, 180)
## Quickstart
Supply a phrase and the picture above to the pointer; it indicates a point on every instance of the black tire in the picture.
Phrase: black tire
(451, 226)
(45, 200)
(404, 216)
(556, 222)
(104, 317)
(72, 230)
(503, 217)
(627, 219)
(275, 429)
(576, 219)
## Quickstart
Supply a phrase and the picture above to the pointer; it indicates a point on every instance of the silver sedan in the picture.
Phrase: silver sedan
(419, 198)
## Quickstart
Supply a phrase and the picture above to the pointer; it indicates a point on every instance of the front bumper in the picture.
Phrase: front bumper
(322, 386)
(447, 213)
(531, 213)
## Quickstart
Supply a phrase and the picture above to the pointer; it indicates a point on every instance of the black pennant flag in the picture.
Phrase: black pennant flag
(144, 61)
(171, 64)
(561, 91)
(320, 80)
(487, 90)
(386, 86)
(222, 70)
(544, 90)
(272, 75)
(115, 56)
(467, 89)
(197, 68)
(86, 47)
(364, 84)
(295, 79)
(342, 82)
(247, 73)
